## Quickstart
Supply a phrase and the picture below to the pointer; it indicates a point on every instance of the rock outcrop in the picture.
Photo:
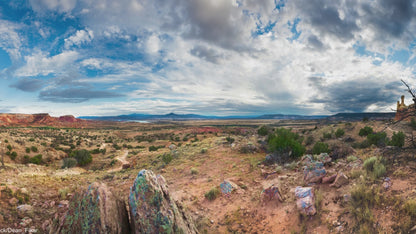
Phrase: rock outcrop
(42, 119)
(305, 200)
(153, 210)
(404, 112)
(95, 210)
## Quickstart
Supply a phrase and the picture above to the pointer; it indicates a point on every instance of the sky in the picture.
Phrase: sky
(210, 57)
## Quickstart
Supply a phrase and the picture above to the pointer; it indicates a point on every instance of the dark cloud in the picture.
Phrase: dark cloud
(324, 16)
(357, 95)
(315, 43)
(208, 54)
(74, 95)
(28, 84)
(391, 17)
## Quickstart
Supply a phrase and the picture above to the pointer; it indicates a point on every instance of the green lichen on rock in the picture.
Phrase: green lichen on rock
(95, 210)
(152, 210)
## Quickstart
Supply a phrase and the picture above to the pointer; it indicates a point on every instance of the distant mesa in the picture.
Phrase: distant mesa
(41, 119)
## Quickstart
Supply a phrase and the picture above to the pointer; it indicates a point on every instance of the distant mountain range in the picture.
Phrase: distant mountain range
(173, 116)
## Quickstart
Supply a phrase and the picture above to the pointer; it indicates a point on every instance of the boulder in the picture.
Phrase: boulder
(13, 201)
(125, 166)
(95, 210)
(271, 193)
(305, 200)
(153, 210)
(314, 172)
(227, 187)
(387, 183)
(329, 179)
(340, 180)
(24, 210)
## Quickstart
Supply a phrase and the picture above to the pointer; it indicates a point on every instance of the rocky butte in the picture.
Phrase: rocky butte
(404, 112)
(42, 119)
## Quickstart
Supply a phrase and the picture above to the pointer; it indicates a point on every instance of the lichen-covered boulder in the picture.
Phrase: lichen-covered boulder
(305, 200)
(95, 210)
(314, 172)
(153, 210)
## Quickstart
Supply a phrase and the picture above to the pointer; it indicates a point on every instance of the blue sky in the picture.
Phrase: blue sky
(212, 57)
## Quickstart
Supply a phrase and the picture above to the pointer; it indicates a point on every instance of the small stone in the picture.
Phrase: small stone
(13, 201)
(212, 221)
(52, 204)
(25, 221)
(24, 209)
(63, 203)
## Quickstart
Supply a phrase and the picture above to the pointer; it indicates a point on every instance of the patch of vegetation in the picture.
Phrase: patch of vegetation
(327, 135)
(378, 139)
(155, 148)
(339, 132)
(374, 167)
(27, 150)
(351, 158)
(285, 142)
(397, 139)
(204, 150)
(365, 131)
(362, 200)
(69, 162)
(82, 156)
(229, 139)
(9, 147)
(212, 194)
(194, 171)
(167, 158)
(319, 197)
(36, 159)
(320, 147)
(263, 130)
(309, 140)
(13, 155)
(34, 149)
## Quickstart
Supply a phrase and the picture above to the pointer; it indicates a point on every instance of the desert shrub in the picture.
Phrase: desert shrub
(13, 155)
(117, 147)
(309, 140)
(212, 194)
(263, 130)
(320, 147)
(153, 148)
(365, 131)
(397, 139)
(377, 139)
(36, 159)
(351, 158)
(362, 200)
(69, 162)
(194, 171)
(82, 156)
(229, 139)
(374, 167)
(319, 197)
(339, 132)
(167, 158)
(204, 150)
(9, 147)
(27, 150)
(6, 141)
(34, 149)
(327, 135)
(8, 153)
(95, 151)
(31, 139)
(284, 141)
(413, 123)
(410, 208)
(103, 151)
(361, 145)
(63, 193)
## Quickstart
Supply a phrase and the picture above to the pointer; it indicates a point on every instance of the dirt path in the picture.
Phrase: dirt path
(122, 159)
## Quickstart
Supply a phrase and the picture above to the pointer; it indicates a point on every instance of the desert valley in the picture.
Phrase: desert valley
(224, 176)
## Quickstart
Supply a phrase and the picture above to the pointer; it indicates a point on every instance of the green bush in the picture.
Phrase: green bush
(194, 171)
(339, 132)
(36, 159)
(320, 147)
(212, 194)
(26, 159)
(27, 150)
(95, 151)
(377, 139)
(69, 162)
(410, 208)
(285, 141)
(397, 139)
(374, 167)
(229, 139)
(83, 156)
(365, 131)
(413, 123)
(362, 200)
(153, 148)
(167, 158)
(9, 147)
(34, 149)
(13, 155)
(327, 135)
(263, 130)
